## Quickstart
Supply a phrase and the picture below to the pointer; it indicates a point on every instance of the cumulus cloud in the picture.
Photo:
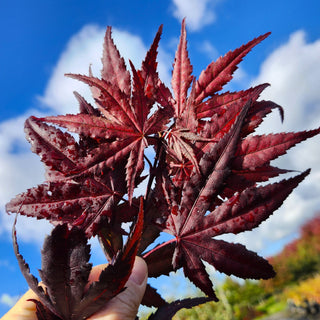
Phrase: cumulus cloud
(293, 70)
(19, 170)
(199, 13)
(85, 49)
(8, 300)
(209, 50)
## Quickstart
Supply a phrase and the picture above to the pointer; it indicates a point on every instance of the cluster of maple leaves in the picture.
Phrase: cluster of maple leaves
(202, 181)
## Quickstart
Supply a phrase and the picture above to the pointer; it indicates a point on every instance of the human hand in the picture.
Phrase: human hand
(122, 307)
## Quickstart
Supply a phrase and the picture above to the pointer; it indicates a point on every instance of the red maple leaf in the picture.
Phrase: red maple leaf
(124, 112)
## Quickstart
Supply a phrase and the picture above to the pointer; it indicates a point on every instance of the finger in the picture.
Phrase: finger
(95, 274)
(125, 305)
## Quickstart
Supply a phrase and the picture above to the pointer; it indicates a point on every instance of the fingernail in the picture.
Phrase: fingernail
(139, 271)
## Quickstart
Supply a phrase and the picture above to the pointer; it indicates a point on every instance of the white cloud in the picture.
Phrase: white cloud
(19, 169)
(199, 13)
(207, 48)
(293, 70)
(8, 300)
(85, 49)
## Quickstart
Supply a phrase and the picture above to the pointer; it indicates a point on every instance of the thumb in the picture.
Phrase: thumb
(125, 305)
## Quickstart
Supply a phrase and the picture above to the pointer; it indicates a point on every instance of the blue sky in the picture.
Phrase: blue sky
(42, 40)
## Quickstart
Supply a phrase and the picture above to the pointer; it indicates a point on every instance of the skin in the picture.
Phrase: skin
(123, 307)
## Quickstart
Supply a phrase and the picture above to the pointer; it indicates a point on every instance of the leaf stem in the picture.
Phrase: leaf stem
(159, 247)
(147, 159)
(154, 166)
